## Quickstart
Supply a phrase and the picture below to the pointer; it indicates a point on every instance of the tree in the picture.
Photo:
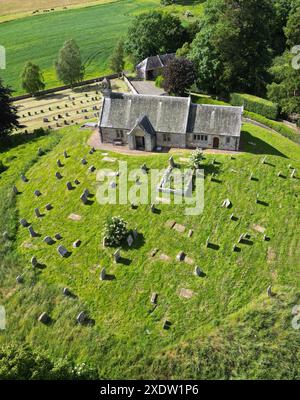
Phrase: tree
(232, 50)
(32, 79)
(196, 158)
(154, 33)
(69, 68)
(115, 231)
(116, 61)
(282, 11)
(179, 75)
(292, 30)
(8, 112)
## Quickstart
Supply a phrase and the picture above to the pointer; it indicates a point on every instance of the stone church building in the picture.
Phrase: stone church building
(145, 122)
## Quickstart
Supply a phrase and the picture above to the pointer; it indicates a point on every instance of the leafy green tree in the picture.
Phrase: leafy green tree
(154, 33)
(232, 50)
(292, 30)
(178, 76)
(32, 79)
(8, 112)
(69, 68)
(117, 61)
(282, 11)
(115, 231)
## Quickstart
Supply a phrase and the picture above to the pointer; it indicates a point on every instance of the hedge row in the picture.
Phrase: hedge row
(276, 126)
(255, 104)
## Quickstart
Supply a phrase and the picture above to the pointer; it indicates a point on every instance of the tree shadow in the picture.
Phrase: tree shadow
(262, 203)
(109, 277)
(17, 139)
(260, 147)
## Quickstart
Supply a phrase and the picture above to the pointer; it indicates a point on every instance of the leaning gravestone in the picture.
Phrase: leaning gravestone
(69, 185)
(153, 299)
(58, 175)
(65, 154)
(197, 271)
(62, 251)
(103, 274)
(59, 164)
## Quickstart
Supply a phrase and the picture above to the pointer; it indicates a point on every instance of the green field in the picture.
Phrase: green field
(215, 332)
(96, 29)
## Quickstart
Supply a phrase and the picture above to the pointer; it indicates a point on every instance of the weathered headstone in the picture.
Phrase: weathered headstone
(84, 199)
(166, 324)
(241, 238)
(293, 174)
(77, 243)
(86, 192)
(180, 256)
(62, 251)
(92, 168)
(82, 318)
(40, 152)
(48, 207)
(15, 190)
(270, 292)
(153, 299)
(44, 318)
(65, 154)
(58, 175)
(152, 208)
(226, 203)
(37, 213)
(32, 232)
(66, 292)
(69, 185)
(83, 161)
(171, 162)
(5, 235)
(19, 279)
(48, 240)
(24, 222)
(103, 274)
(59, 164)
(77, 182)
(24, 179)
(207, 242)
(117, 256)
(58, 236)
(34, 262)
(113, 185)
(37, 193)
(197, 271)
(190, 233)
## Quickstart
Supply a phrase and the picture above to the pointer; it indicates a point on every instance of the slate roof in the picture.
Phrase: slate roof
(168, 114)
(155, 62)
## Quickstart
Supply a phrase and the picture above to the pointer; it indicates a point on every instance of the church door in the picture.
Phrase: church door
(140, 142)
(216, 142)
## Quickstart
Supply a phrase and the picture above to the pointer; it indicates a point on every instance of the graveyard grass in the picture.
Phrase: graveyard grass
(229, 328)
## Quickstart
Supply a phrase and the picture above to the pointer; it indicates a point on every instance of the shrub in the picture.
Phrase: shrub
(115, 231)
(159, 81)
(196, 158)
(255, 104)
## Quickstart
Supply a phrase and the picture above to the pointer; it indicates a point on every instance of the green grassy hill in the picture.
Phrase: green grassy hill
(96, 29)
(228, 328)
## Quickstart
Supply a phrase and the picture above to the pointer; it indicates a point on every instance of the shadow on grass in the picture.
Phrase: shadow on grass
(12, 141)
(124, 261)
(213, 246)
(259, 147)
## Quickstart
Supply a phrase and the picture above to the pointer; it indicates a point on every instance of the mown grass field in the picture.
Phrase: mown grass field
(213, 332)
(95, 28)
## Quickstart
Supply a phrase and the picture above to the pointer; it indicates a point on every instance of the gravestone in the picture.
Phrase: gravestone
(180, 256)
(293, 174)
(83, 161)
(130, 240)
(37, 193)
(166, 324)
(34, 262)
(241, 238)
(190, 233)
(66, 292)
(263, 161)
(19, 279)
(144, 168)
(65, 154)
(112, 185)
(15, 190)
(117, 256)
(207, 242)
(40, 152)
(48, 207)
(58, 236)
(171, 162)
(44, 318)
(82, 318)
(270, 292)
(234, 247)
(152, 208)
(84, 199)
(226, 203)
(24, 222)
(59, 164)
(48, 240)
(77, 182)
(154, 252)
(153, 299)
(92, 168)
(24, 179)
(104, 241)
(69, 185)
(32, 232)
(232, 217)
(62, 251)
(251, 176)
(197, 271)
(58, 175)
(37, 213)
(77, 243)
(103, 274)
